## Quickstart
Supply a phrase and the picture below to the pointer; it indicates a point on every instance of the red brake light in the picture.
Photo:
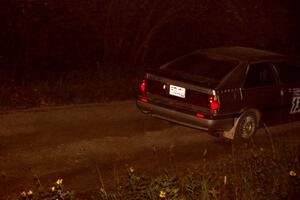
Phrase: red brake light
(213, 102)
(143, 86)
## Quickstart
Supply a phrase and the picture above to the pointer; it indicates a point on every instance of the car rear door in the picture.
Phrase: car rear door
(289, 74)
(263, 91)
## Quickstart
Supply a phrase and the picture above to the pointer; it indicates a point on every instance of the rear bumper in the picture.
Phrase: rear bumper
(212, 126)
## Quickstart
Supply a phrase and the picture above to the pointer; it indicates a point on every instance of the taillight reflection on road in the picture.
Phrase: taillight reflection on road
(143, 99)
(199, 115)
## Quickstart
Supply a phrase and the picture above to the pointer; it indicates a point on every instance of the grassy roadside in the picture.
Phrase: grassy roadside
(249, 172)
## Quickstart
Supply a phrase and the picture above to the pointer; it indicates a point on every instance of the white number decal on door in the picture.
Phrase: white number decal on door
(295, 105)
(296, 101)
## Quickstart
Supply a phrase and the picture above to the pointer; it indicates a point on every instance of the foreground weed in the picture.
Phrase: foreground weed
(135, 186)
(200, 187)
(107, 196)
(26, 195)
(164, 187)
(55, 192)
(190, 186)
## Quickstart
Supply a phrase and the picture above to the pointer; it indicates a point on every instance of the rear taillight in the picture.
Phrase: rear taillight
(143, 86)
(213, 102)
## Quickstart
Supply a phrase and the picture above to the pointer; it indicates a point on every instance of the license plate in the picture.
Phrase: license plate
(177, 91)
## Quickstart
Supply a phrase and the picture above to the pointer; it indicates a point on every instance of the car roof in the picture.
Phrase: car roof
(242, 53)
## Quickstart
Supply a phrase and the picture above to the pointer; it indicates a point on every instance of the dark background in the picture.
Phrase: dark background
(63, 44)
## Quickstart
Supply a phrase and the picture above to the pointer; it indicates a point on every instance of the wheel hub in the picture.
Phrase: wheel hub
(248, 127)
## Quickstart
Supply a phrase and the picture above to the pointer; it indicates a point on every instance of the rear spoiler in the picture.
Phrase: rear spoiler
(198, 81)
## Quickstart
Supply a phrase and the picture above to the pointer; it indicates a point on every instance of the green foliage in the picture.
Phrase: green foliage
(190, 186)
(164, 187)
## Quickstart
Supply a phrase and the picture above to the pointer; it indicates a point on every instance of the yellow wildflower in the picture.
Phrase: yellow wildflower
(162, 194)
(292, 173)
(53, 189)
(23, 194)
(59, 181)
(131, 169)
(29, 193)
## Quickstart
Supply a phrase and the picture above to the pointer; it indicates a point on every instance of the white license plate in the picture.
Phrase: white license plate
(177, 91)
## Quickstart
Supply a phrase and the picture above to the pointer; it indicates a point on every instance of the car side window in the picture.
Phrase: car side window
(260, 75)
(288, 73)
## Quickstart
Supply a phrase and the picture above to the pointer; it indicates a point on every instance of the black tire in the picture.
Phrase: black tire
(247, 125)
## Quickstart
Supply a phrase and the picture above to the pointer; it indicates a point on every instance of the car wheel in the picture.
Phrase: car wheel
(247, 125)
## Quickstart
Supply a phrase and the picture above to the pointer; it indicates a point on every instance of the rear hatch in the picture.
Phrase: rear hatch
(187, 84)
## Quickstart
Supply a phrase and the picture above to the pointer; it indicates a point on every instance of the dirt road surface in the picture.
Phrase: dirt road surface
(72, 142)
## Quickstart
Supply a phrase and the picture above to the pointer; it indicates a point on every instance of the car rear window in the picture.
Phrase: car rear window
(204, 66)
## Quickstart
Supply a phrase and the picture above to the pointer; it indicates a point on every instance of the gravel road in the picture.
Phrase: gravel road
(72, 142)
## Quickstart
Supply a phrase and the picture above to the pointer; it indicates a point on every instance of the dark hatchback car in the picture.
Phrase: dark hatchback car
(226, 91)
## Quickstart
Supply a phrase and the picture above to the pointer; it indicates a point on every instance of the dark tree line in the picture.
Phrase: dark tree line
(68, 34)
